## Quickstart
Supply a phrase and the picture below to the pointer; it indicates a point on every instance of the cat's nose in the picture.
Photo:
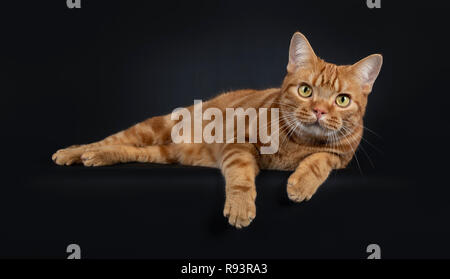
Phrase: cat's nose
(319, 112)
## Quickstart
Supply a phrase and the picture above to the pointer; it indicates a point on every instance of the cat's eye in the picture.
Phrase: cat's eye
(343, 100)
(305, 91)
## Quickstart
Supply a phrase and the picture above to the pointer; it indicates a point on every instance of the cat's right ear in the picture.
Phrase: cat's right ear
(301, 53)
(367, 71)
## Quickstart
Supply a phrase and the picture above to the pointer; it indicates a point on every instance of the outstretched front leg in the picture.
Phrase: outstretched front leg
(310, 174)
(240, 168)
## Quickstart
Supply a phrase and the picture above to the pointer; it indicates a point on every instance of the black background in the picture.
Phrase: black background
(76, 76)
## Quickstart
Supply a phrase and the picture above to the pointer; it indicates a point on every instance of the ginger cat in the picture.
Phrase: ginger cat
(321, 107)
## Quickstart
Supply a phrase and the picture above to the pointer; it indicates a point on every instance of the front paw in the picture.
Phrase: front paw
(301, 188)
(240, 209)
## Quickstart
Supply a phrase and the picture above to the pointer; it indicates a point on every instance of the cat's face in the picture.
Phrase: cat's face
(322, 100)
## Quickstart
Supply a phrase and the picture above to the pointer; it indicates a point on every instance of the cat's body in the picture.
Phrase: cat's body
(316, 132)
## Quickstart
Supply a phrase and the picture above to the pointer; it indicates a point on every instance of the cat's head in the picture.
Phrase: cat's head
(323, 100)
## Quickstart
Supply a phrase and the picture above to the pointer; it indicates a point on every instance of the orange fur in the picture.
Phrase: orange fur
(310, 145)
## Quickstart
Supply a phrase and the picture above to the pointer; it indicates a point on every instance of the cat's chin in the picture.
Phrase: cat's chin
(315, 130)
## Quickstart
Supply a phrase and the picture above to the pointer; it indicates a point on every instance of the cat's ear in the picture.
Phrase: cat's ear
(301, 53)
(367, 71)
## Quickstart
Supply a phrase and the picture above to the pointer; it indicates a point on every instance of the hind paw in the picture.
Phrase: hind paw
(68, 156)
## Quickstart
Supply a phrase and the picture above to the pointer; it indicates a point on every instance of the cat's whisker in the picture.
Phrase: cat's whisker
(365, 140)
(353, 137)
(354, 152)
(284, 128)
(295, 128)
(367, 155)
(287, 132)
(292, 126)
(364, 127)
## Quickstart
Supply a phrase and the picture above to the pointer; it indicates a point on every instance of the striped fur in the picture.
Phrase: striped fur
(310, 149)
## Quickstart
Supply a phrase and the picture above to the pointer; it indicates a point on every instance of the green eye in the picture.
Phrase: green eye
(305, 91)
(343, 100)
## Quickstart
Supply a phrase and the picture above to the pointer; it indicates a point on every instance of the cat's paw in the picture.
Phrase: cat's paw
(68, 156)
(240, 209)
(96, 157)
(301, 188)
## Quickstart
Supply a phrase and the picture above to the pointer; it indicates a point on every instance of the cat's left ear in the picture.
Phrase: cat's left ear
(367, 71)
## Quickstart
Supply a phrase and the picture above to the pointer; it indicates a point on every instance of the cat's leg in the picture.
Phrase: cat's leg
(239, 166)
(155, 130)
(112, 154)
(186, 154)
(310, 174)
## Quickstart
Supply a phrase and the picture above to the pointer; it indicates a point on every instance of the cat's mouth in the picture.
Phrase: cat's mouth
(316, 124)
(316, 129)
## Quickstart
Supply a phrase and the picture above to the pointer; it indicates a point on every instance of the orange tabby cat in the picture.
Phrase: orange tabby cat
(321, 108)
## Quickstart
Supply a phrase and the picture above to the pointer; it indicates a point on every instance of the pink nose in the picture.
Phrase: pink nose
(319, 112)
